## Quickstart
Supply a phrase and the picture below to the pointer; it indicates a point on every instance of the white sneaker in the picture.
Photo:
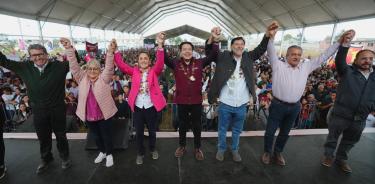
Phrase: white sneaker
(99, 158)
(139, 160)
(155, 155)
(109, 161)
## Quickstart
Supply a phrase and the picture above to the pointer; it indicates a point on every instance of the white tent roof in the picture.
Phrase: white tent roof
(238, 17)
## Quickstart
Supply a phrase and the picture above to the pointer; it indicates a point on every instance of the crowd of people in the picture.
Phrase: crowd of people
(208, 89)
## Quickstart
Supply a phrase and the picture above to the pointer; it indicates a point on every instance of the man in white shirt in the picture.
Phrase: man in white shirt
(234, 84)
(288, 83)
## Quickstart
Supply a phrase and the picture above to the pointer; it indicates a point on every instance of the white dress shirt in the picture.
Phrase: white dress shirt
(288, 83)
(235, 92)
(41, 68)
(143, 98)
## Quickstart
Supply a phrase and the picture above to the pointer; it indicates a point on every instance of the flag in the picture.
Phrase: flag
(91, 47)
(351, 54)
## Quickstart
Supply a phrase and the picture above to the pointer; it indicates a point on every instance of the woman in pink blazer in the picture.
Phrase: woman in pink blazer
(95, 103)
(145, 98)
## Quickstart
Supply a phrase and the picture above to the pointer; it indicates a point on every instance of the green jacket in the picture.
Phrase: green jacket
(46, 89)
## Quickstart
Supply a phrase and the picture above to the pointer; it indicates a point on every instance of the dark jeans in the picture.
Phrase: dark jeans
(280, 115)
(142, 117)
(190, 116)
(351, 133)
(46, 121)
(102, 133)
(2, 146)
(9, 114)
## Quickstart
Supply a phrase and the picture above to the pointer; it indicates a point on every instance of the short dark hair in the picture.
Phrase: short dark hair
(183, 43)
(237, 38)
(364, 50)
(294, 47)
(143, 52)
(37, 47)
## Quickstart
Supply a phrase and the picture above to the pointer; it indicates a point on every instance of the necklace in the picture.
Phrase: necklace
(185, 70)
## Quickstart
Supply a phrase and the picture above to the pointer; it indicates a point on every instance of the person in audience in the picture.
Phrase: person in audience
(21, 115)
(123, 107)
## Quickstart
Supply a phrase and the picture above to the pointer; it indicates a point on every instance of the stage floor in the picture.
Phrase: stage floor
(302, 154)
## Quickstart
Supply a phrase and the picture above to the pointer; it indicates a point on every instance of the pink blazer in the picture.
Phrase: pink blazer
(101, 88)
(156, 95)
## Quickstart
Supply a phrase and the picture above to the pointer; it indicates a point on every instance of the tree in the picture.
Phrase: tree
(298, 38)
(176, 40)
(288, 37)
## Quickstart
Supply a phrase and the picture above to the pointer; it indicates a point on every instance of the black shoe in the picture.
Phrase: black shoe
(3, 170)
(343, 166)
(43, 166)
(66, 164)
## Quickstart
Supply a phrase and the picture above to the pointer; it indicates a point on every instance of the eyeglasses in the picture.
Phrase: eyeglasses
(37, 55)
(93, 69)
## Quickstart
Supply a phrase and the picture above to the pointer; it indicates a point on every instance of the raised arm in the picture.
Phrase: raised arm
(122, 65)
(11, 65)
(212, 56)
(340, 60)
(70, 53)
(262, 47)
(271, 52)
(74, 67)
(168, 61)
(344, 40)
(159, 65)
(212, 46)
(323, 57)
(109, 68)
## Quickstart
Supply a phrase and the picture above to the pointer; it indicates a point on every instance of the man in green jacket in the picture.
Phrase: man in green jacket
(45, 82)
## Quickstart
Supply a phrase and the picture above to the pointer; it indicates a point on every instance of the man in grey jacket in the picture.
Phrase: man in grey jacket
(355, 101)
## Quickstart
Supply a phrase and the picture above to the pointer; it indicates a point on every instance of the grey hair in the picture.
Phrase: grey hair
(93, 62)
(294, 47)
(37, 47)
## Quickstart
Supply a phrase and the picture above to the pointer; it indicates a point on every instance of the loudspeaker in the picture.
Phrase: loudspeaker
(120, 130)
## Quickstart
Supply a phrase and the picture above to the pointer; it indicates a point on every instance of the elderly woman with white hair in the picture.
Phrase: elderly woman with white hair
(95, 103)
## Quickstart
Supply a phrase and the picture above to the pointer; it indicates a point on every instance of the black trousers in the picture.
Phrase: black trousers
(102, 132)
(351, 133)
(190, 116)
(46, 121)
(149, 117)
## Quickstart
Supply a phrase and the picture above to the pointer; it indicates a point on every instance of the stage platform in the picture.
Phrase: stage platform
(302, 153)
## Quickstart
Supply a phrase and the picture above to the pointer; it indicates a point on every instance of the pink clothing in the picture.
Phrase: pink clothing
(156, 95)
(93, 112)
(87, 58)
(101, 88)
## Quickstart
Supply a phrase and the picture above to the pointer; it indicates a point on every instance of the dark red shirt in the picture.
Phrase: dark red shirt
(188, 77)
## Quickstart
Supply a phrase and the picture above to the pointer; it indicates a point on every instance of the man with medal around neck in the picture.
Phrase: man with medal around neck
(188, 71)
(233, 83)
